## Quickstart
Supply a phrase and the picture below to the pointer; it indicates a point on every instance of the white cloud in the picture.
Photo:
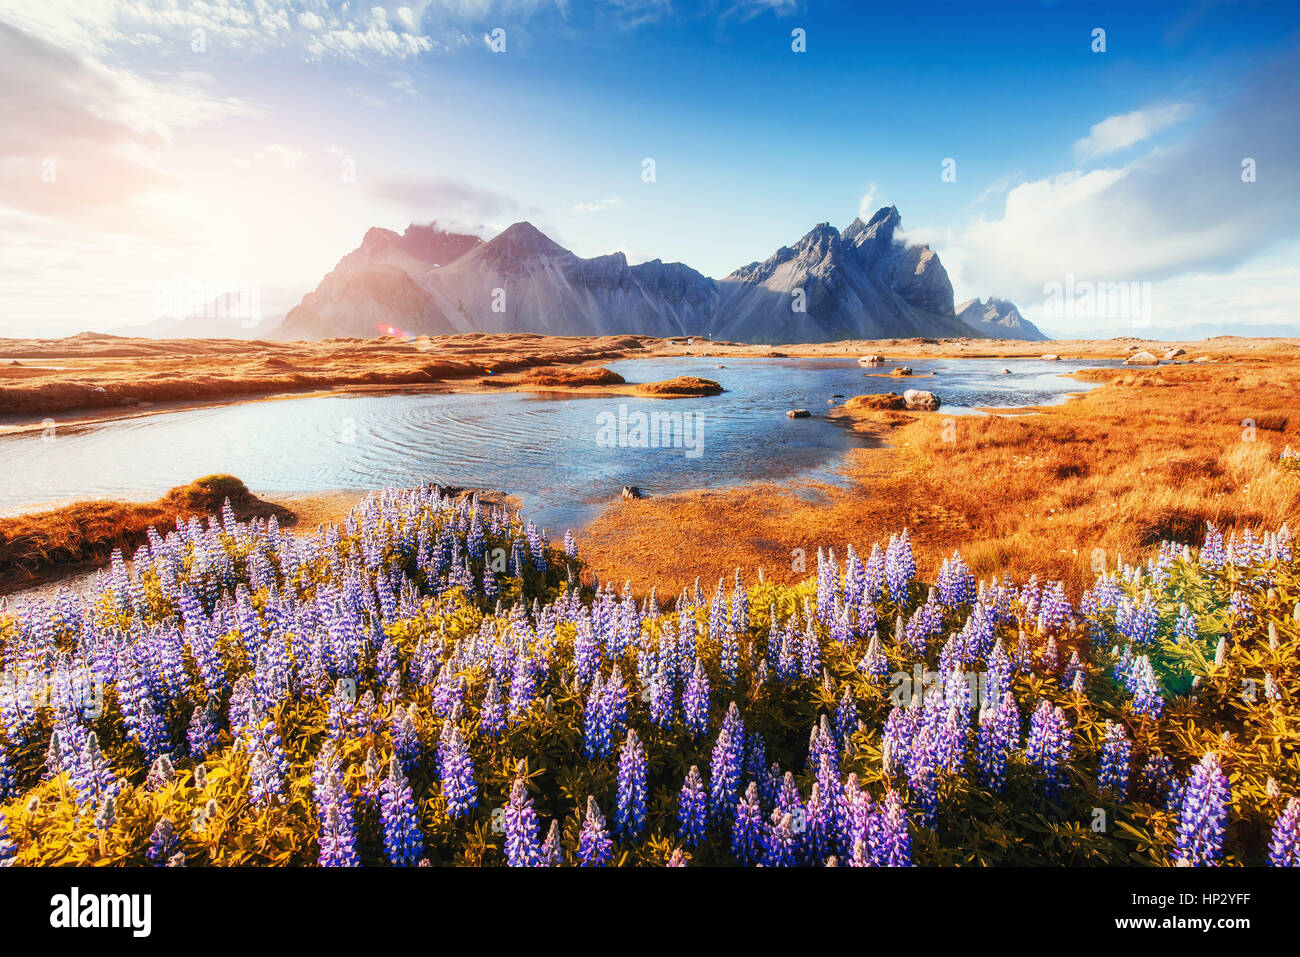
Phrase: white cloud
(1176, 211)
(867, 204)
(614, 202)
(287, 155)
(1117, 133)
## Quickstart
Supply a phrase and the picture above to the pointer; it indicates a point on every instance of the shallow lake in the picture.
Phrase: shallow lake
(563, 457)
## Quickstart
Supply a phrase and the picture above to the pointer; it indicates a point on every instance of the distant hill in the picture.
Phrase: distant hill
(998, 318)
(860, 284)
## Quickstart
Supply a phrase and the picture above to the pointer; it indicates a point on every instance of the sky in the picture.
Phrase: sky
(148, 146)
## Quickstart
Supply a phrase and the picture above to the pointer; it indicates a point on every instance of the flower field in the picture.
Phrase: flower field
(431, 683)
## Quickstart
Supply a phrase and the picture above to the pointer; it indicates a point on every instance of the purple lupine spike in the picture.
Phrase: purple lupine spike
(747, 838)
(1284, 848)
(1116, 753)
(893, 843)
(1204, 815)
(403, 842)
(595, 848)
(630, 809)
(522, 849)
(457, 773)
(163, 843)
(692, 808)
(695, 701)
(1049, 747)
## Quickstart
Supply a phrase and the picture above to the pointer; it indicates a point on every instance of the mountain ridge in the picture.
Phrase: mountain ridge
(862, 283)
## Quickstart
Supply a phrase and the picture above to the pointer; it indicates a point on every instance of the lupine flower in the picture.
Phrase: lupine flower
(338, 832)
(1284, 848)
(1147, 699)
(457, 773)
(1116, 752)
(695, 702)
(747, 839)
(1049, 747)
(8, 851)
(403, 843)
(1204, 815)
(492, 716)
(999, 734)
(595, 849)
(692, 808)
(551, 853)
(726, 764)
(629, 811)
(522, 849)
(598, 723)
(163, 843)
(893, 842)
(782, 846)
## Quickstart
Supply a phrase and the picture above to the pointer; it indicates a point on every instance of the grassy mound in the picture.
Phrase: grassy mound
(682, 385)
(38, 546)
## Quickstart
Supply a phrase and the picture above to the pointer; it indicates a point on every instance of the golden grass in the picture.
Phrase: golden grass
(1148, 456)
(682, 385)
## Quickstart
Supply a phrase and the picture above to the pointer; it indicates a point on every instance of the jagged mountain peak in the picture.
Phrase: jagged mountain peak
(999, 318)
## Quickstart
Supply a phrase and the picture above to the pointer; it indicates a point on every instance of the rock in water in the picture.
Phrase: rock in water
(1142, 359)
(798, 413)
(920, 401)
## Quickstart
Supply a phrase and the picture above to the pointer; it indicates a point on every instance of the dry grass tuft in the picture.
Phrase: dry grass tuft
(37, 546)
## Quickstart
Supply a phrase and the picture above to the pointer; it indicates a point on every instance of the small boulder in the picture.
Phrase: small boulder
(1175, 353)
(871, 360)
(798, 413)
(1005, 371)
(918, 400)
(1050, 357)
(1201, 359)
(1142, 359)
(631, 492)
(901, 370)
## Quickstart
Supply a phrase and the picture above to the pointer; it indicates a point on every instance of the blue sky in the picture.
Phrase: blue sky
(227, 162)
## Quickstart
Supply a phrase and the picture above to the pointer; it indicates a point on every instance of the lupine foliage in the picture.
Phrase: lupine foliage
(432, 681)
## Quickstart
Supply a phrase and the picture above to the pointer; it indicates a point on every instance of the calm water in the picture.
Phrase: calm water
(546, 451)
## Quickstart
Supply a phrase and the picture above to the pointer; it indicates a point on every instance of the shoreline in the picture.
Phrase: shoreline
(92, 378)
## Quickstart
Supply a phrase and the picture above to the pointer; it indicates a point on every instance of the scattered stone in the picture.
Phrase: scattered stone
(719, 367)
(1142, 359)
(1050, 357)
(1005, 371)
(1175, 353)
(799, 413)
(920, 401)
(631, 492)
(871, 360)
(1201, 359)
(901, 370)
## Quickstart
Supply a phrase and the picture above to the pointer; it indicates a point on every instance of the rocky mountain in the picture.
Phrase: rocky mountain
(998, 318)
(862, 283)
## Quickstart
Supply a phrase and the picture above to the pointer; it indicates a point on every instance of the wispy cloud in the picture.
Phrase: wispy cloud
(1117, 133)
(1179, 210)
(613, 202)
